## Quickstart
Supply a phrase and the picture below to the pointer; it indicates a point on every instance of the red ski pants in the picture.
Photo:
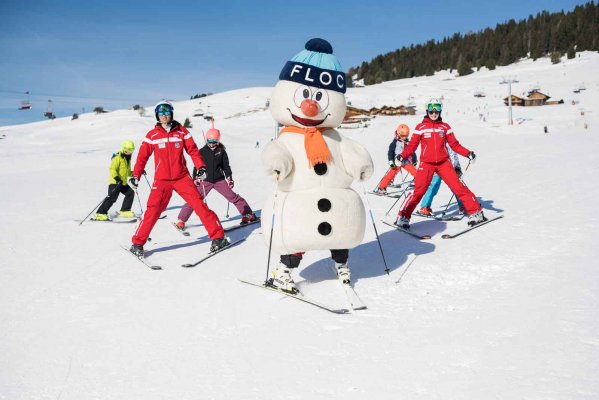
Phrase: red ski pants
(160, 196)
(390, 175)
(449, 176)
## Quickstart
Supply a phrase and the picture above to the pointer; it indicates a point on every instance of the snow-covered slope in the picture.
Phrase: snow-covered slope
(507, 311)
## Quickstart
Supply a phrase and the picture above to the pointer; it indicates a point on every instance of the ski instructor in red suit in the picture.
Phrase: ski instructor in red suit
(168, 141)
(432, 133)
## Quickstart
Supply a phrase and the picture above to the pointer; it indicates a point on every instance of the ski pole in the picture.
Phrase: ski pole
(375, 231)
(398, 198)
(99, 204)
(150, 186)
(228, 202)
(453, 194)
(272, 224)
(138, 199)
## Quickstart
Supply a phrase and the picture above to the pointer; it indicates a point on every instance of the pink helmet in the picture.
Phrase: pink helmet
(213, 134)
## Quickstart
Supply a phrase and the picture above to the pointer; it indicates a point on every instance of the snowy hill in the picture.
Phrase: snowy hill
(506, 311)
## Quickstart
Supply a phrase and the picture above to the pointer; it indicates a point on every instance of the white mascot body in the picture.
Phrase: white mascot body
(314, 207)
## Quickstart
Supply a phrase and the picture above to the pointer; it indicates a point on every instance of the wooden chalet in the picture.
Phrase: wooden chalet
(535, 98)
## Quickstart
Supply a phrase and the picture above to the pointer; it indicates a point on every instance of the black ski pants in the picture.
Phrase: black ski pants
(293, 260)
(113, 195)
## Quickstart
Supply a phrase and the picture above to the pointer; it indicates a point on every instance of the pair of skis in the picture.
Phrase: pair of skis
(444, 236)
(211, 254)
(352, 297)
(229, 229)
(442, 217)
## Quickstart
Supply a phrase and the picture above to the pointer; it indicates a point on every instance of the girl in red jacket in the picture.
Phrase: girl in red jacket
(433, 134)
(168, 141)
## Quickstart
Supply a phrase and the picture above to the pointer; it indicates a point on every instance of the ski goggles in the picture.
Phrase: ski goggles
(434, 107)
(164, 109)
(212, 141)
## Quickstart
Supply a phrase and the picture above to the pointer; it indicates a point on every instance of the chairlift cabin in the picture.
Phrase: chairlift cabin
(49, 113)
(25, 103)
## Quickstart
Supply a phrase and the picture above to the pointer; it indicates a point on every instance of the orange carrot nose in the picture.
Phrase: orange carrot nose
(309, 107)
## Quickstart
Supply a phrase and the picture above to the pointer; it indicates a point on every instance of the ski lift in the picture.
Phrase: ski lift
(25, 103)
(49, 113)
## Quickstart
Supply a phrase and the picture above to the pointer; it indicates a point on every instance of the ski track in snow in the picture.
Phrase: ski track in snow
(507, 311)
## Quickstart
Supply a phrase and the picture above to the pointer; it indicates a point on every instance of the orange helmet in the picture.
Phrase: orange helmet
(402, 131)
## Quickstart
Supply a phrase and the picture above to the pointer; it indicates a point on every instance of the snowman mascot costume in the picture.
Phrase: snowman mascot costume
(314, 207)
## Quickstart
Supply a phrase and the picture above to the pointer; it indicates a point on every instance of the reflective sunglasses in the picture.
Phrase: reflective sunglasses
(212, 141)
(434, 107)
(163, 113)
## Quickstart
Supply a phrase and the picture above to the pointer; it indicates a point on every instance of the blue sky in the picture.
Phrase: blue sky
(83, 54)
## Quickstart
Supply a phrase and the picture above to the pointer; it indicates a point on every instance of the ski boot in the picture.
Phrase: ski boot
(381, 191)
(281, 279)
(343, 273)
(476, 218)
(137, 250)
(180, 225)
(127, 214)
(218, 244)
(403, 222)
(247, 218)
(426, 211)
(102, 217)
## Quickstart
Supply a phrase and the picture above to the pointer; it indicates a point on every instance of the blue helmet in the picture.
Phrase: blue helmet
(163, 106)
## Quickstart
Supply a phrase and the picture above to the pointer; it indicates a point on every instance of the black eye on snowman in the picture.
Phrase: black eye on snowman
(322, 98)
(301, 93)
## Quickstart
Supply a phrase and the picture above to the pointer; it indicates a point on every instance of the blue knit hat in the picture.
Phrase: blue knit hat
(315, 66)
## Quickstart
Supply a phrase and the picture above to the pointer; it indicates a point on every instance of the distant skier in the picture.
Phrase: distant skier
(400, 140)
(257, 144)
(219, 177)
(433, 133)
(433, 189)
(167, 141)
(119, 172)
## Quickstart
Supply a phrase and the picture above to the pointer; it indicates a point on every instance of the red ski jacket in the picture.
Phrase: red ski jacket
(169, 160)
(433, 135)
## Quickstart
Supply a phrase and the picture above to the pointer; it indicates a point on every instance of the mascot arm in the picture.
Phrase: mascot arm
(276, 157)
(356, 159)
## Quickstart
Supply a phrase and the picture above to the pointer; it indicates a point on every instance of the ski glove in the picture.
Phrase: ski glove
(118, 180)
(133, 182)
(399, 158)
(458, 170)
(230, 182)
(200, 174)
(392, 164)
(471, 156)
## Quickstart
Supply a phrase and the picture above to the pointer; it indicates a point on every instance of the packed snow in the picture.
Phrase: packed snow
(506, 311)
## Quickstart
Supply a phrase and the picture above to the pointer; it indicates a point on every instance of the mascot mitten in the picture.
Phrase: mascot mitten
(314, 207)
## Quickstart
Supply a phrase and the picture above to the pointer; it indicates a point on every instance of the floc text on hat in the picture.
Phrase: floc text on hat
(311, 75)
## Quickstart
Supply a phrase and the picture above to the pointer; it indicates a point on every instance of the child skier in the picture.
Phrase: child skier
(402, 135)
(433, 189)
(120, 171)
(168, 141)
(219, 177)
(433, 133)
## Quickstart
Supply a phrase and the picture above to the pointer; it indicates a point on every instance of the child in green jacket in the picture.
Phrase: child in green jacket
(120, 171)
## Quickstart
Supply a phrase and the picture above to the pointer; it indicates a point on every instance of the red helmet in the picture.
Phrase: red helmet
(213, 134)
(402, 131)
